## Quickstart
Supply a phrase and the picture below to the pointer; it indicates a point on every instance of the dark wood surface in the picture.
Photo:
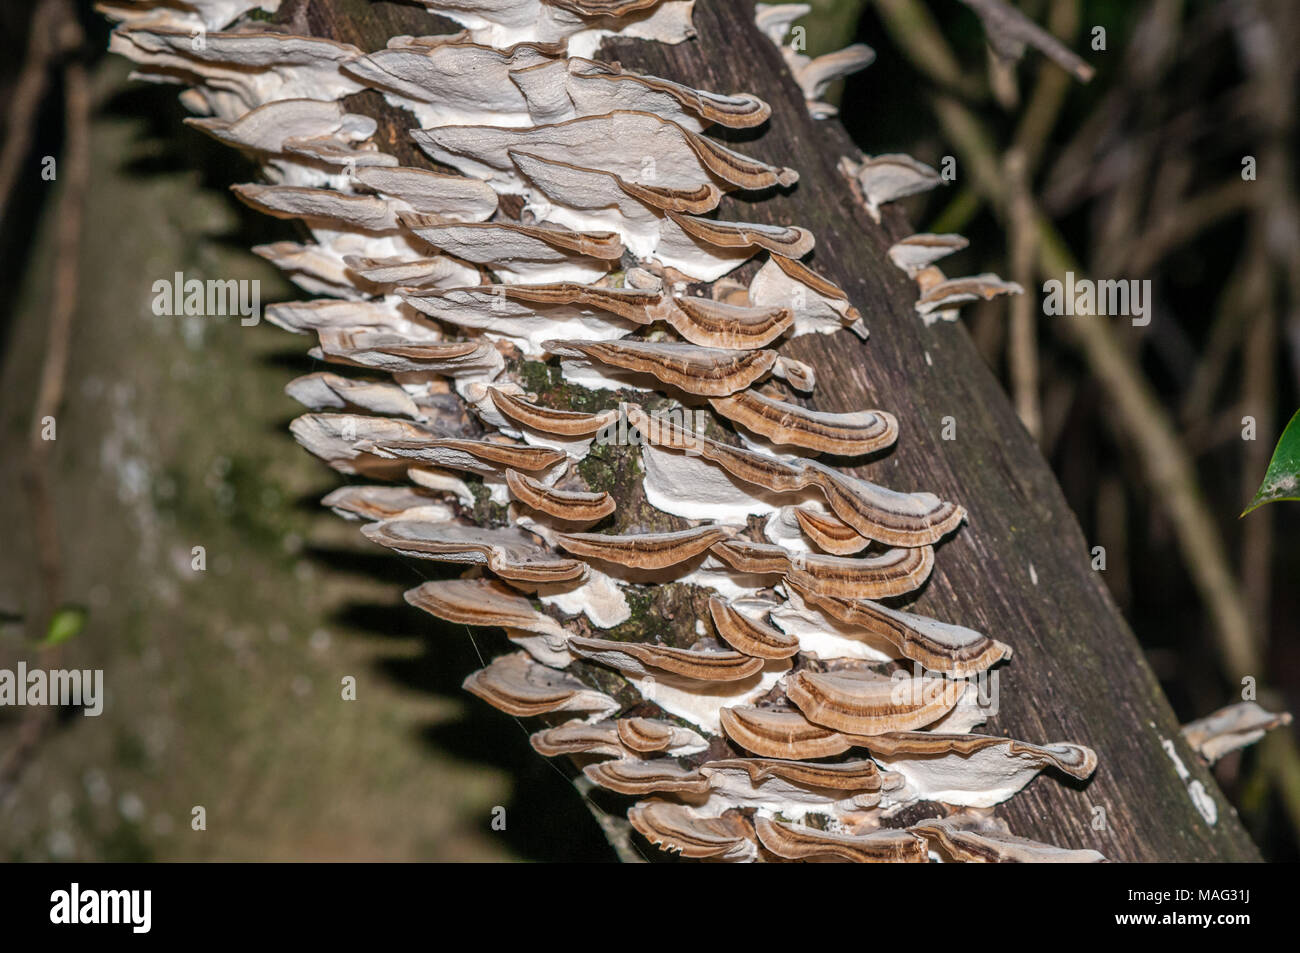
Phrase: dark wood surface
(1020, 570)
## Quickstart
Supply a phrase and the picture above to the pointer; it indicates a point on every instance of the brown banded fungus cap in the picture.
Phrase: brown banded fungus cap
(972, 770)
(887, 178)
(371, 502)
(1231, 728)
(510, 553)
(716, 324)
(708, 371)
(830, 532)
(748, 635)
(916, 253)
(677, 827)
(578, 738)
(898, 519)
(567, 423)
(940, 647)
(644, 550)
(650, 735)
(784, 423)
(662, 660)
(894, 572)
(798, 842)
(958, 291)
(522, 687)
(782, 733)
(657, 776)
(568, 505)
(965, 840)
(621, 738)
(482, 602)
(820, 306)
(862, 703)
(843, 791)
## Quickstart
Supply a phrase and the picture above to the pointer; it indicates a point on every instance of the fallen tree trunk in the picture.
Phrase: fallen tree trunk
(1020, 570)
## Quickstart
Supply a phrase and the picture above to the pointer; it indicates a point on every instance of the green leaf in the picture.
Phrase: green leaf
(1282, 481)
(66, 625)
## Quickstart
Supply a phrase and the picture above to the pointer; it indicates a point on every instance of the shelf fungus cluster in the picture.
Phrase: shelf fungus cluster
(543, 371)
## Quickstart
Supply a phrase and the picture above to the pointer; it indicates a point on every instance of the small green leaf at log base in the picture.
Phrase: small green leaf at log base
(65, 626)
(1282, 480)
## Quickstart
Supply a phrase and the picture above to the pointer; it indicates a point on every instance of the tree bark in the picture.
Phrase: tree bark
(1020, 569)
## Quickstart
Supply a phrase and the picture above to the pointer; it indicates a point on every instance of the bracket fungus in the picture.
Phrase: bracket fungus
(521, 252)
(966, 840)
(813, 74)
(481, 602)
(957, 291)
(799, 842)
(326, 391)
(236, 71)
(916, 253)
(748, 635)
(819, 305)
(658, 776)
(510, 553)
(662, 660)
(717, 324)
(572, 203)
(578, 737)
(1231, 728)
(939, 646)
(648, 735)
(182, 14)
(795, 789)
(847, 435)
(782, 733)
(887, 178)
(522, 687)
(830, 532)
(862, 703)
(474, 455)
(566, 423)
(706, 371)
(616, 142)
(894, 572)
(678, 827)
(372, 502)
(971, 770)
(570, 505)
(644, 550)
(620, 738)
(579, 25)
(875, 512)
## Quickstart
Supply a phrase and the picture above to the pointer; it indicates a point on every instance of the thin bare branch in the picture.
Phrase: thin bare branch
(1009, 32)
